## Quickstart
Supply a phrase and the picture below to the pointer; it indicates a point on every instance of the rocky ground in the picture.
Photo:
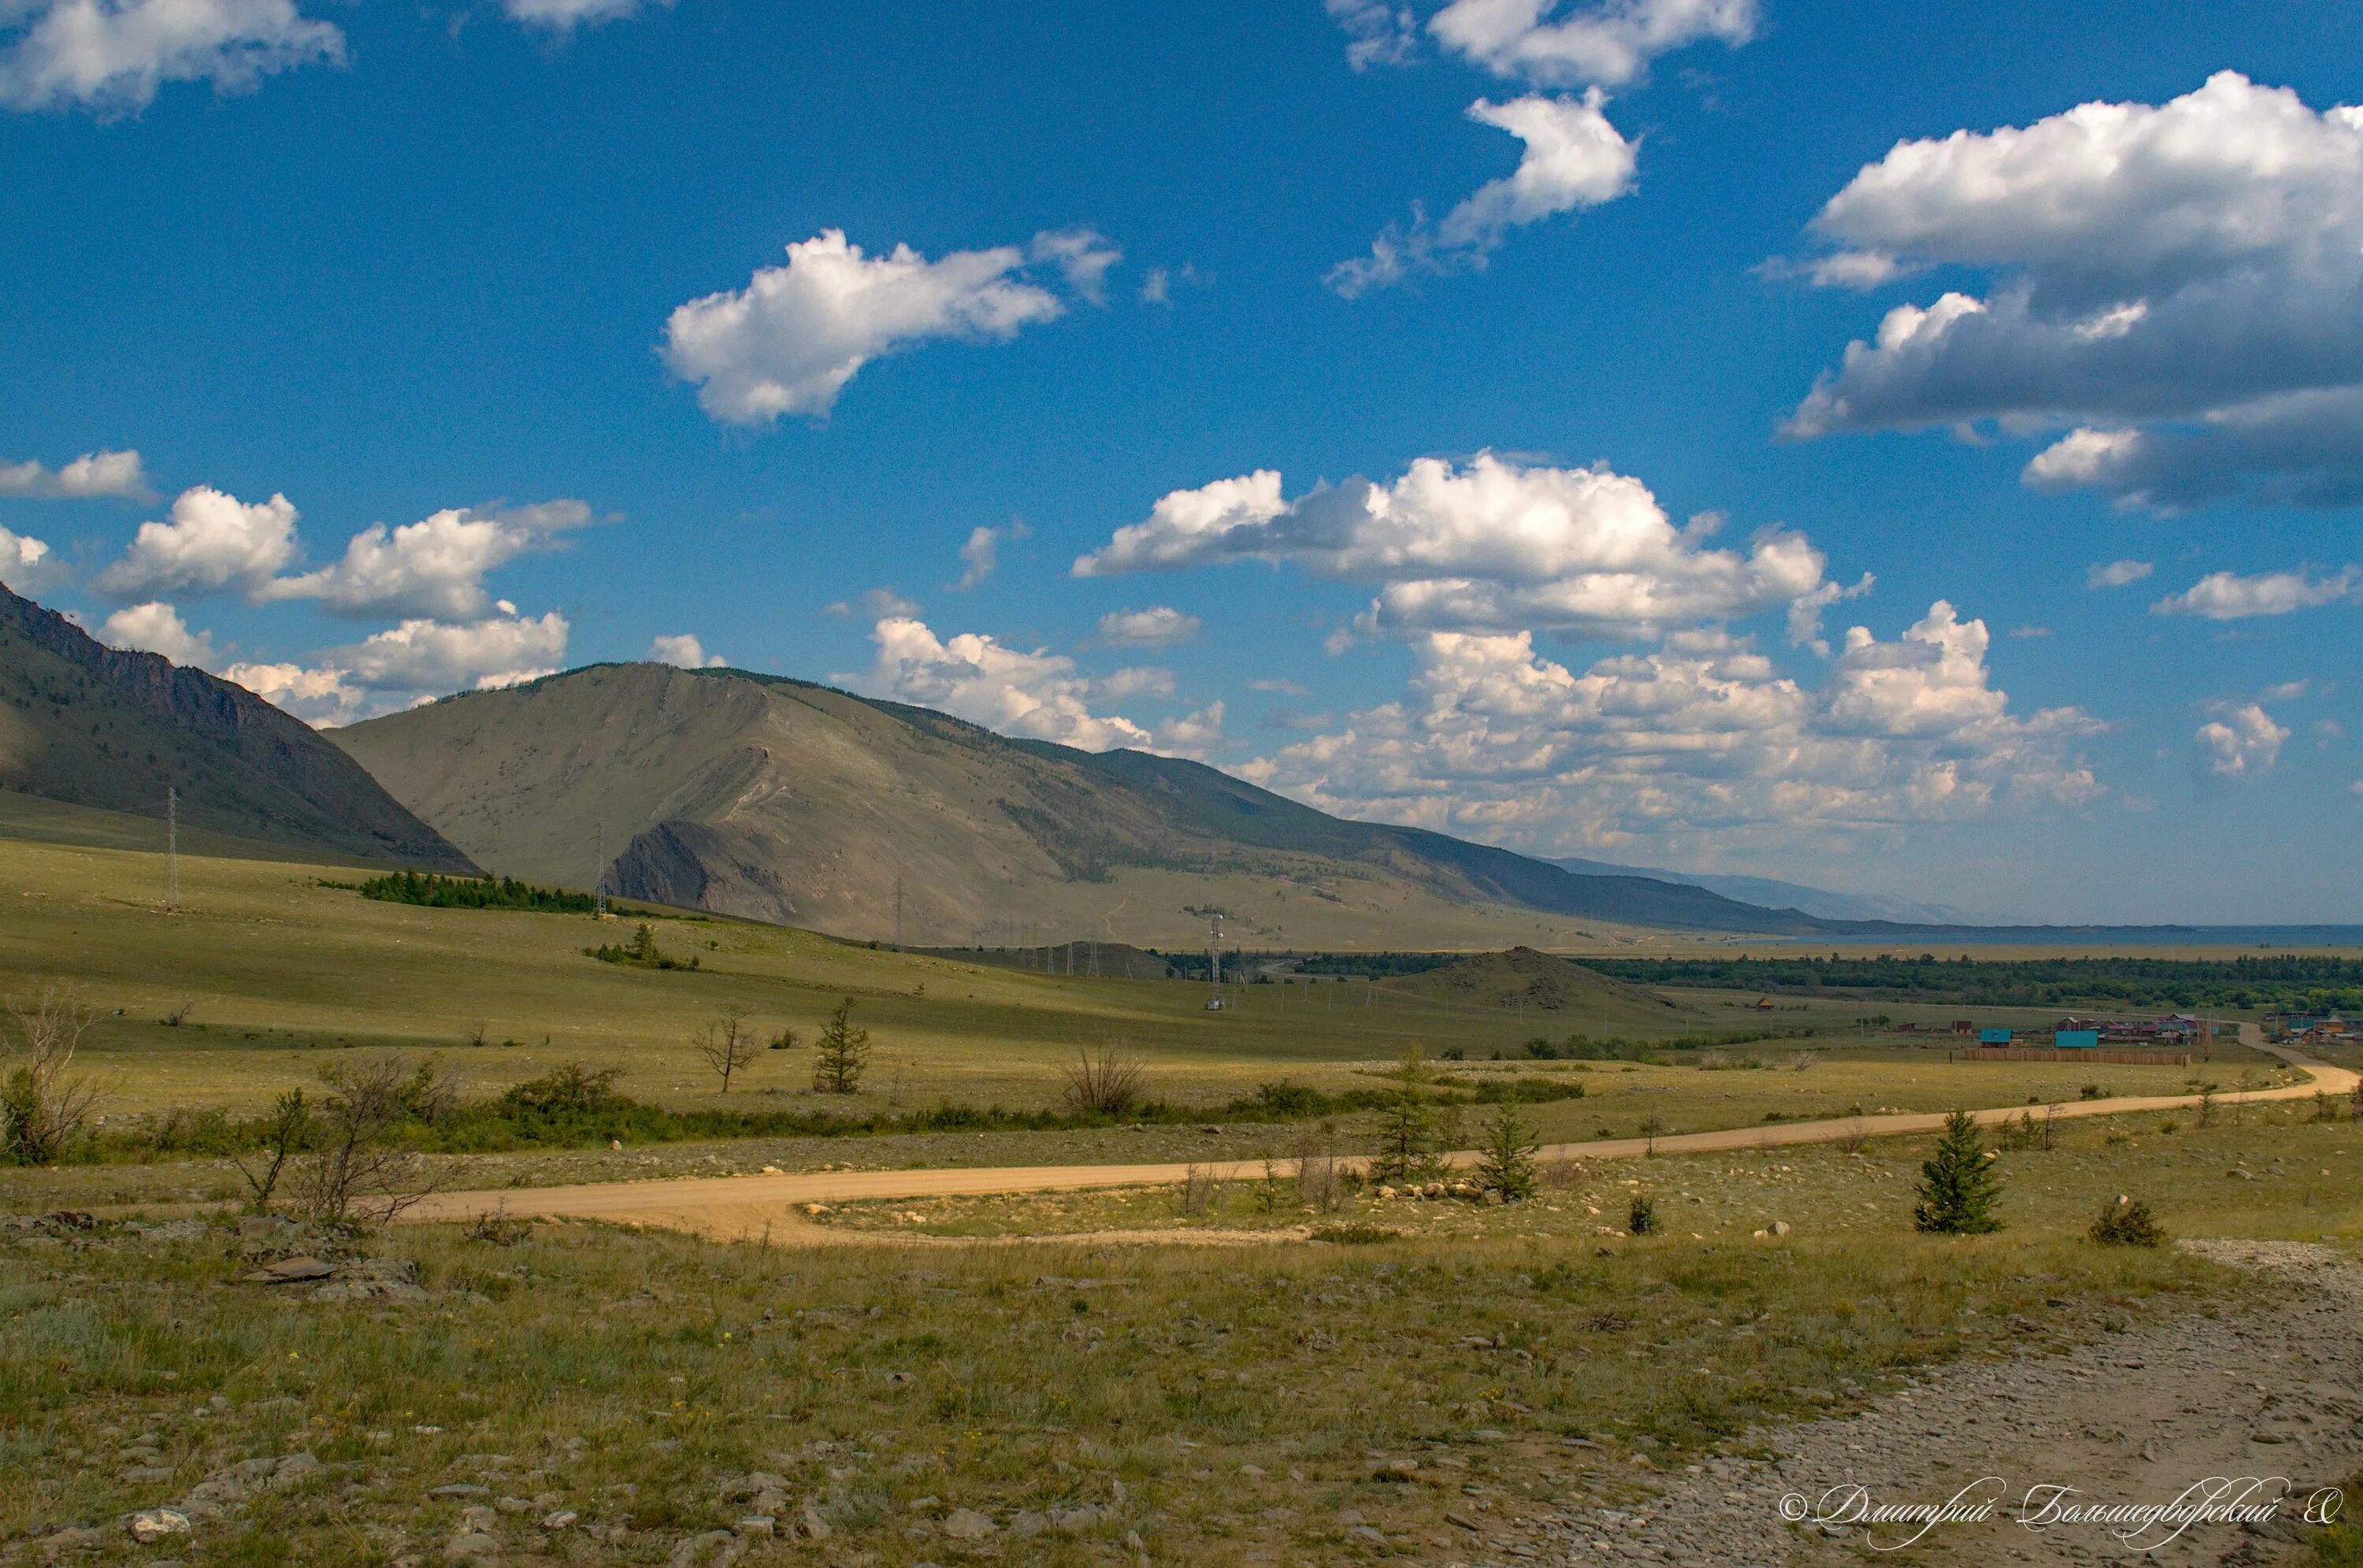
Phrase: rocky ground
(2271, 1392)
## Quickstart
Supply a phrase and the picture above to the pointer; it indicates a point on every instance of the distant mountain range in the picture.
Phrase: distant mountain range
(779, 800)
(1819, 903)
(92, 726)
(783, 801)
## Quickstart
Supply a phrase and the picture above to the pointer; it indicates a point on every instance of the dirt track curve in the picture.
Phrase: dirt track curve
(736, 1208)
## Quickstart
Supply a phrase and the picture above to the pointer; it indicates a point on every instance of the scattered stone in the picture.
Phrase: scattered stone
(715, 1549)
(460, 1489)
(292, 1271)
(811, 1526)
(564, 1518)
(967, 1524)
(293, 1470)
(155, 1524)
(474, 1546)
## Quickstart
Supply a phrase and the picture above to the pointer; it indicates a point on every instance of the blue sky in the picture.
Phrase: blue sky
(519, 279)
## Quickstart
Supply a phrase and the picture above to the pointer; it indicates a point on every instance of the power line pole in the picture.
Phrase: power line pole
(898, 911)
(599, 871)
(171, 848)
(1215, 960)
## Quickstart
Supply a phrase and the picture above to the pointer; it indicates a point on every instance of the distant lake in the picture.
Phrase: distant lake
(2264, 938)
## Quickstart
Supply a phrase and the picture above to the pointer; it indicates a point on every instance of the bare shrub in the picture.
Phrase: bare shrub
(288, 1134)
(44, 1103)
(1201, 1189)
(497, 1227)
(354, 1173)
(1857, 1134)
(1804, 1060)
(1320, 1180)
(1106, 1083)
(1560, 1175)
(175, 1017)
(724, 1042)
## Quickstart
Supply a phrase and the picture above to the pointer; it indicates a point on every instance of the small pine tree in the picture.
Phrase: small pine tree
(1642, 1218)
(1957, 1189)
(840, 1054)
(1407, 1129)
(1508, 1163)
(2128, 1222)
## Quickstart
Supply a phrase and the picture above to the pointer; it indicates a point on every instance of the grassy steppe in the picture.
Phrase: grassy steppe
(280, 971)
(1238, 1407)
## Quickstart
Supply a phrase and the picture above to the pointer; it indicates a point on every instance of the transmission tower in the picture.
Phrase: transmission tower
(1215, 962)
(171, 848)
(599, 871)
(898, 911)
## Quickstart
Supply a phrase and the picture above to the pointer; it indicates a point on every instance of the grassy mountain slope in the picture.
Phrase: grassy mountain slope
(779, 800)
(1526, 982)
(91, 726)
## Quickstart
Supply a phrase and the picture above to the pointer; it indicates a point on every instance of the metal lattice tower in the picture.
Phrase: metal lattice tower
(599, 872)
(171, 848)
(1215, 960)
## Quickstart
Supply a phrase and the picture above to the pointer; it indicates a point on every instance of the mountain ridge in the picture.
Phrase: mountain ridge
(1821, 903)
(781, 799)
(89, 726)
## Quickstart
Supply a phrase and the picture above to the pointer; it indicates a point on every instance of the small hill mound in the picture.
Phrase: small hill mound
(1523, 980)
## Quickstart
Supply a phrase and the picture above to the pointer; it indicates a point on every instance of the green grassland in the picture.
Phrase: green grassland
(1303, 1401)
(275, 973)
(1276, 1399)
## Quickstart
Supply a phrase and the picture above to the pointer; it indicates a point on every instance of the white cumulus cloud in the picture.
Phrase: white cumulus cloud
(1608, 44)
(1701, 735)
(1573, 159)
(2228, 596)
(113, 55)
(434, 568)
(27, 564)
(565, 16)
(2116, 574)
(156, 627)
(1490, 545)
(1038, 695)
(2241, 744)
(2173, 292)
(1377, 33)
(92, 475)
(211, 542)
(1158, 627)
(408, 663)
(685, 651)
(981, 556)
(790, 340)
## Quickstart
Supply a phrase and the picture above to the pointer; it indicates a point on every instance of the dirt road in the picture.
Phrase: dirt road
(743, 1207)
